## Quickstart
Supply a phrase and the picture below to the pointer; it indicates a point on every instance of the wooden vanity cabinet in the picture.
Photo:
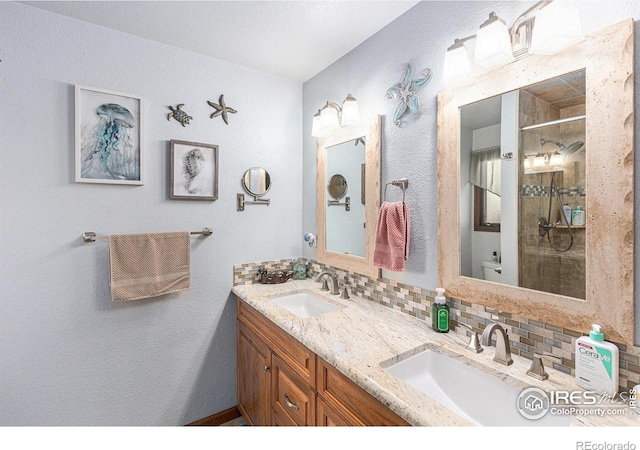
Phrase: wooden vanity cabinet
(283, 383)
(254, 387)
(348, 401)
(275, 373)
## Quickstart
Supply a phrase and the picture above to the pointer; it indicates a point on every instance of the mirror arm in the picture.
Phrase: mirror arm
(240, 202)
(347, 203)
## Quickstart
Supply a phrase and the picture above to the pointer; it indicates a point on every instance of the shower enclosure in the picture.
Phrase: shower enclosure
(552, 182)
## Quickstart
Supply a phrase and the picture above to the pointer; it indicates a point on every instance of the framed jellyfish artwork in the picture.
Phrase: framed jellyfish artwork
(193, 172)
(108, 137)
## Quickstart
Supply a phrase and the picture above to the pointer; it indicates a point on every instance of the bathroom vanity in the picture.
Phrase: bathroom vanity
(335, 366)
(282, 382)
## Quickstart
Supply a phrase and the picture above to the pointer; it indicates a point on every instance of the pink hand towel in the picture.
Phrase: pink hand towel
(392, 237)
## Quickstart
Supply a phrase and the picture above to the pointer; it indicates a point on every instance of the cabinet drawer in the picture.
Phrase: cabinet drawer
(291, 395)
(288, 348)
(350, 400)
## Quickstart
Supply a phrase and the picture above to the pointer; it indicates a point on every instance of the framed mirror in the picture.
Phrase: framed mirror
(346, 235)
(517, 150)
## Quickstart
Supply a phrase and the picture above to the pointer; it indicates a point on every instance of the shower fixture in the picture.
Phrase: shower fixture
(544, 223)
(563, 149)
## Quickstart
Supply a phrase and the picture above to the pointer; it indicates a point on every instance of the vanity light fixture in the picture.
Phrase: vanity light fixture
(546, 28)
(539, 160)
(493, 45)
(333, 116)
(457, 70)
(557, 27)
(556, 159)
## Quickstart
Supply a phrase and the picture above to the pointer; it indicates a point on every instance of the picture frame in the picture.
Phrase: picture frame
(108, 137)
(193, 172)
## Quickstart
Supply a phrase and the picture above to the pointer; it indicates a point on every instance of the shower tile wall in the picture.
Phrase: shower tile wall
(541, 267)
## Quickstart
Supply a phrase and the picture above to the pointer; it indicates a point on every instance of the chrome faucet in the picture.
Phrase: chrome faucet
(334, 290)
(503, 349)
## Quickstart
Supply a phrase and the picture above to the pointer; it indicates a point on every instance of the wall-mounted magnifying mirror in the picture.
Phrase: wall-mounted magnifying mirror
(337, 186)
(257, 182)
(535, 186)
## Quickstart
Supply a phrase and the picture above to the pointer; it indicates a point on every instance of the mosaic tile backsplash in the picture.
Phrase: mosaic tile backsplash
(526, 335)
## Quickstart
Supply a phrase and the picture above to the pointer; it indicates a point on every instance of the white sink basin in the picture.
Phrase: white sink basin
(305, 304)
(476, 396)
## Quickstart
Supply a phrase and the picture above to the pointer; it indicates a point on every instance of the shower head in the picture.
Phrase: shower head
(564, 150)
(571, 148)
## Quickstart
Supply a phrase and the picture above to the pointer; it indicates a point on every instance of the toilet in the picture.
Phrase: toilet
(489, 271)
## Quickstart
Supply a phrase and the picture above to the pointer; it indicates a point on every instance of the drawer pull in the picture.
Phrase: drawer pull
(266, 368)
(288, 403)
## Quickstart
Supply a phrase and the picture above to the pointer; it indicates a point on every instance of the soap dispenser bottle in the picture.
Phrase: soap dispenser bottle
(597, 363)
(440, 313)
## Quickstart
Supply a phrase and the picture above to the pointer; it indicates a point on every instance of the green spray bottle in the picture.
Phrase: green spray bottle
(440, 313)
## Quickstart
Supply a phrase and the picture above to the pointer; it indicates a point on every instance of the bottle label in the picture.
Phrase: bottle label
(595, 362)
(443, 320)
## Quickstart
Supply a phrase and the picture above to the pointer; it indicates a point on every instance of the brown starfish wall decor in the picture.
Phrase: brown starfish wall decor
(221, 109)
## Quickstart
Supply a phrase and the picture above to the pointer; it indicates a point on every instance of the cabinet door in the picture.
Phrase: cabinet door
(350, 400)
(326, 416)
(291, 396)
(254, 366)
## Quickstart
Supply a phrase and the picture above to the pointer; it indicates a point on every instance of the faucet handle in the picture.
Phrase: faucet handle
(474, 343)
(325, 285)
(537, 367)
(344, 292)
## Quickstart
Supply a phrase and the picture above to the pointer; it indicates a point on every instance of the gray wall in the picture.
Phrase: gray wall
(421, 37)
(68, 354)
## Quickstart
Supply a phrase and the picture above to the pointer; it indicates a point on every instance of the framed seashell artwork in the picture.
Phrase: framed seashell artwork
(193, 171)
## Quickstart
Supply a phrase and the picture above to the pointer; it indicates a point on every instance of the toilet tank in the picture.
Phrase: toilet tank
(492, 271)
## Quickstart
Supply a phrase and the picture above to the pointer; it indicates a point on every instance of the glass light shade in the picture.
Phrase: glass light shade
(329, 119)
(457, 69)
(556, 159)
(493, 44)
(317, 123)
(527, 163)
(350, 111)
(557, 26)
(538, 161)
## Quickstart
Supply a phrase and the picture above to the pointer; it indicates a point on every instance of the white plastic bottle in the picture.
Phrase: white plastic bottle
(578, 218)
(567, 214)
(597, 363)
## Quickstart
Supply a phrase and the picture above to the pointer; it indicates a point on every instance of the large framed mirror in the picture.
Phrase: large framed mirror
(349, 159)
(535, 186)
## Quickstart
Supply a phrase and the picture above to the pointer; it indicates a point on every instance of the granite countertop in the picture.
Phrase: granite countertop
(363, 337)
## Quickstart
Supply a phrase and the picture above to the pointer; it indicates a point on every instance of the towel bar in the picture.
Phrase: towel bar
(90, 236)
